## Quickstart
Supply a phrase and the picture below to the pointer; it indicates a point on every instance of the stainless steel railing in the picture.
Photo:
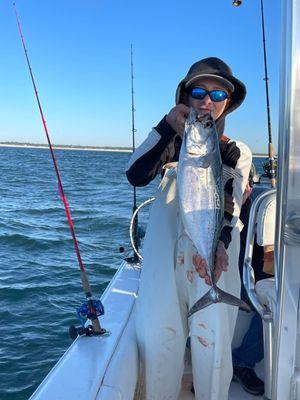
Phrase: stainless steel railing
(249, 283)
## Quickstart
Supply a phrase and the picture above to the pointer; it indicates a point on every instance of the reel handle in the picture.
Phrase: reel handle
(87, 331)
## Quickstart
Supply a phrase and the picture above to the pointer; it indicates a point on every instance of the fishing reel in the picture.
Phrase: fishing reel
(84, 313)
(269, 168)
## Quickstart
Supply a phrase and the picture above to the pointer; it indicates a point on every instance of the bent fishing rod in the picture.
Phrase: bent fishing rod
(92, 308)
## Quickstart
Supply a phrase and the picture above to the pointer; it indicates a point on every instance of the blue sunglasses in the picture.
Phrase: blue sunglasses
(199, 93)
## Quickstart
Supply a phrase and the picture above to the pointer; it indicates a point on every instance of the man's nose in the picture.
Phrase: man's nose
(207, 100)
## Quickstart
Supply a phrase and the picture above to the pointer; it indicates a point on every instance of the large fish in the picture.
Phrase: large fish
(200, 189)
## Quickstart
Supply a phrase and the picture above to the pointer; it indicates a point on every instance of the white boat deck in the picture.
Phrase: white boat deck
(235, 392)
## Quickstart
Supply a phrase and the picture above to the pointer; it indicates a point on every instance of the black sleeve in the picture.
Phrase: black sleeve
(148, 159)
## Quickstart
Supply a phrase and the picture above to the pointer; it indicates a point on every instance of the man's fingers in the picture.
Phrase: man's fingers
(183, 109)
(218, 273)
(224, 265)
(177, 116)
(208, 280)
(221, 259)
(200, 265)
(201, 271)
(197, 260)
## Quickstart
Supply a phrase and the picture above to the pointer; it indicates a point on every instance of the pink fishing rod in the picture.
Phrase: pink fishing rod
(93, 307)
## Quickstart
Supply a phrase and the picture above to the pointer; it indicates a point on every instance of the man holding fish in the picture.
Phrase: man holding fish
(192, 238)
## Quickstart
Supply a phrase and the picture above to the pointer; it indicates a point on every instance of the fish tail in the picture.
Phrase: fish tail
(216, 295)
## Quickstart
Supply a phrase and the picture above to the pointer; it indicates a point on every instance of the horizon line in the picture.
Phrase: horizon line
(83, 147)
(66, 146)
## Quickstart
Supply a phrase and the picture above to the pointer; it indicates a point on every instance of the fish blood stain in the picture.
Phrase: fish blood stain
(190, 276)
(203, 341)
(180, 260)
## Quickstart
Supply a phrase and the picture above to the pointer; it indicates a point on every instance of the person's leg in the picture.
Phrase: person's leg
(161, 342)
(249, 353)
(161, 334)
(251, 350)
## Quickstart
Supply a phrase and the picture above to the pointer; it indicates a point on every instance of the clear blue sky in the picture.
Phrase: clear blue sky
(80, 55)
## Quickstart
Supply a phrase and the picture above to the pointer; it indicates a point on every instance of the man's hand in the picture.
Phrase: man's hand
(221, 264)
(176, 118)
(201, 267)
(221, 260)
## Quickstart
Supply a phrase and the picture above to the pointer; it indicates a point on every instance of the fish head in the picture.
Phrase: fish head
(200, 136)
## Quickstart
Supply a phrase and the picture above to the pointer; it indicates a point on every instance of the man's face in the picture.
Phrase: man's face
(206, 105)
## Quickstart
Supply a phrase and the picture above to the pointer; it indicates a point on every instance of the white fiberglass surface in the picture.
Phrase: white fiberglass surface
(236, 392)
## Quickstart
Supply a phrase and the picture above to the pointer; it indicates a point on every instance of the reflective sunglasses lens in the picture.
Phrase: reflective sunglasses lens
(218, 95)
(198, 93)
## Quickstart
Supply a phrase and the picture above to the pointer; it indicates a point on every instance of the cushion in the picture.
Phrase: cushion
(266, 218)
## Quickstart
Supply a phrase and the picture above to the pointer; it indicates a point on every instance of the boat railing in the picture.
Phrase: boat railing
(264, 308)
(131, 227)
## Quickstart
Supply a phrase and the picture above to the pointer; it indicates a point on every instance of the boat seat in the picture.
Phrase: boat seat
(266, 217)
(265, 236)
(266, 292)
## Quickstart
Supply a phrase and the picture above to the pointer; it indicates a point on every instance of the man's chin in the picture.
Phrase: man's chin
(204, 112)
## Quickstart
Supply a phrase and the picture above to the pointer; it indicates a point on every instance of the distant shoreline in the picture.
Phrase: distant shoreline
(67, 147)
(85, 148)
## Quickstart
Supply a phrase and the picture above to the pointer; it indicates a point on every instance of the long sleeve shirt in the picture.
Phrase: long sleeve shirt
(163, 146)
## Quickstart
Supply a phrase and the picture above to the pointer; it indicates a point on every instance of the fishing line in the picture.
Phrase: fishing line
(94, 308)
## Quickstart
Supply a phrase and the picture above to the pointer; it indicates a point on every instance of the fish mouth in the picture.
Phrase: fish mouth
(203, 114)
(206, 120)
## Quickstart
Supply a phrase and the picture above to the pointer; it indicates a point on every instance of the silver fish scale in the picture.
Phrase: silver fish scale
(199, 176)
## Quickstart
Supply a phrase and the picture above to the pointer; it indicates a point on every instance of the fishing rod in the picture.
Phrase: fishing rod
(266, 79)
(92, 308)
(271, 161)
(135, 221)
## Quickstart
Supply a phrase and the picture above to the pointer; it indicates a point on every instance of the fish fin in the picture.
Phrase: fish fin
(205, 301)
(216, 295)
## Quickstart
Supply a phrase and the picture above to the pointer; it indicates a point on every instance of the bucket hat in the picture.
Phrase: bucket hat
(213, 68)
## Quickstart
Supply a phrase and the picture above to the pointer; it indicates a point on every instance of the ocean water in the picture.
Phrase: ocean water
(39, 275)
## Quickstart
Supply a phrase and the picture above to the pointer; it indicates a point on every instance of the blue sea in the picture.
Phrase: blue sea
(40, 285)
